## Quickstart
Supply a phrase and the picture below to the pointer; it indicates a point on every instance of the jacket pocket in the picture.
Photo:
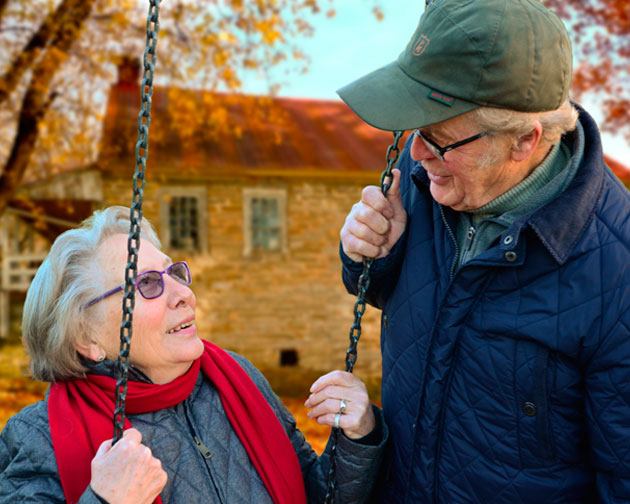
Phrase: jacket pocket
(532, 408)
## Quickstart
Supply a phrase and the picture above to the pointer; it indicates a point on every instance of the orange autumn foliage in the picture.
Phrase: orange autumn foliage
(601, 36)
(58, 60)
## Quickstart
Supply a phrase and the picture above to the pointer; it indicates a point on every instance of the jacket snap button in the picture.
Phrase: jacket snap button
(529, 408)
(385, 320)
(508, 239)
(510, 256)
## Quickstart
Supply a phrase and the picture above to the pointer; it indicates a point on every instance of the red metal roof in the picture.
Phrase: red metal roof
(191, 136)
(264, 135)
(623, 172)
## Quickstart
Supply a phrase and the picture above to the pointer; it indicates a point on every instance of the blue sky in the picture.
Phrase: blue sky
(347, 46)
(354, 43)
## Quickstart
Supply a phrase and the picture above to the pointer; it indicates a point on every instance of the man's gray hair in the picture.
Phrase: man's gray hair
(514, 124)
(555, 123)
(54, 318)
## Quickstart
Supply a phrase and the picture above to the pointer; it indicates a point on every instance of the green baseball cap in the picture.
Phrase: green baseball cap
(512, 54)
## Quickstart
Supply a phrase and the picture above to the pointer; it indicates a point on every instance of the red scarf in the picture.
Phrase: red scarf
(80, 415)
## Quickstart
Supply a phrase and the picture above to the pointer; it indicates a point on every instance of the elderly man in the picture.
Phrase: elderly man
(502, 267)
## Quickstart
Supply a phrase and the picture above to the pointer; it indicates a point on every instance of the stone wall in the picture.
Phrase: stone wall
(268, 302)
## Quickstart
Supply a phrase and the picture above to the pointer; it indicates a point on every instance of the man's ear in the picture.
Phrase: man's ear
(526, 145)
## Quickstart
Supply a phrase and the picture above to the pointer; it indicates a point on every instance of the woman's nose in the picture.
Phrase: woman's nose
(419, 150)
(178, 293)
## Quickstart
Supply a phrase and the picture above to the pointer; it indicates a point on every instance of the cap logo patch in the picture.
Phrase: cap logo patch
(442, 98)
(421, 45)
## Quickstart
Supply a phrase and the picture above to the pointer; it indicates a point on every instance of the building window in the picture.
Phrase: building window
(265, 220)
(265, 224)
(183, 218)
(183, 222)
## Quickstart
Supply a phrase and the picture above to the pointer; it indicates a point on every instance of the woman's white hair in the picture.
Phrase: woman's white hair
(54, 318)
(514, 124)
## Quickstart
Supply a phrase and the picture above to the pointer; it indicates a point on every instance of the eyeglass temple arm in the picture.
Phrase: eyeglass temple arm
(103, 296)
(464, 142)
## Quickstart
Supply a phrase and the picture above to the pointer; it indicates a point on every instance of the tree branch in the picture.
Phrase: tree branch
(37, 99)
(3, 6)
(52, 25)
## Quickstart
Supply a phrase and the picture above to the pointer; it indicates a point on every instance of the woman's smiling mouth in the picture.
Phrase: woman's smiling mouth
(180, 327)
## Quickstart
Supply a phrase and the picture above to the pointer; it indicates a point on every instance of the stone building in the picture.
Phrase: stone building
(252, 192)
(254, 203)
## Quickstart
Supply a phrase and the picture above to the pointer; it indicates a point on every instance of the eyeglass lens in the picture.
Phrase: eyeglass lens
(179, 272)
(151, 284)
(434, 150)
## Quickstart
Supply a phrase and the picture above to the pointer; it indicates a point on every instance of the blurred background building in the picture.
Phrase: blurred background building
(250, 187)
(256, 214)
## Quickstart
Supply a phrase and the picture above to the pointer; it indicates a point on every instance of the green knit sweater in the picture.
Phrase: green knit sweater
(478, 230)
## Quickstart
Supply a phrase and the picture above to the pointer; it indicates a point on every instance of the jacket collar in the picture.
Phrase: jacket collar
(575, 207)
(110, 368)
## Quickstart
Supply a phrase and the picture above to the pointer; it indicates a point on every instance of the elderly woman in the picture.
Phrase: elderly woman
(202, 424)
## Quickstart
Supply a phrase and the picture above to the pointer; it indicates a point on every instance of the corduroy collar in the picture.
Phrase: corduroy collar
(575, 207)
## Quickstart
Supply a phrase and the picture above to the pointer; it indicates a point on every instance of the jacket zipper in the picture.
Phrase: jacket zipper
(451, 275)
(203, 449)
(205, 452)
(452, 235)
(471, 235)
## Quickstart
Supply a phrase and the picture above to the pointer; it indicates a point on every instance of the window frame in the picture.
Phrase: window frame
(251, 193)
(165, 193)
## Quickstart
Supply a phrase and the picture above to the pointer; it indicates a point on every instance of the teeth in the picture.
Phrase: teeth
(179, 328)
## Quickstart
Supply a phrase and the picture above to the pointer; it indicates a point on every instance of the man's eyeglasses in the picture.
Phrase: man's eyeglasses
(150, 284)
(438, 151)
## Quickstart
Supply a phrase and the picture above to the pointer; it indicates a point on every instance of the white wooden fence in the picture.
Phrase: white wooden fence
(22, 254)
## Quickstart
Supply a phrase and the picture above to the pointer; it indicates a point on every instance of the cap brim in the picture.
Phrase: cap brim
(390, 100)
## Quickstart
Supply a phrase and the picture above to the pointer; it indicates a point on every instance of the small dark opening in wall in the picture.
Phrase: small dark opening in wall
(288, 357)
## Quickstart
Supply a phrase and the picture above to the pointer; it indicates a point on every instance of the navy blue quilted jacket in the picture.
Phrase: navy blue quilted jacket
(508, 380)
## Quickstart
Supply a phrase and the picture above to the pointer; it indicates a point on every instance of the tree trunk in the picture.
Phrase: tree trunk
(42, 37)
(3, 5)
(23, 146)
(37, 99)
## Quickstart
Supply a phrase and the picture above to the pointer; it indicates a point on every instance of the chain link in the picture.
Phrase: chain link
(135, 216)
(359, 309)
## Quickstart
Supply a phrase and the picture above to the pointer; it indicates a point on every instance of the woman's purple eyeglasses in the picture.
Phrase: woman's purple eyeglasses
(150, 284)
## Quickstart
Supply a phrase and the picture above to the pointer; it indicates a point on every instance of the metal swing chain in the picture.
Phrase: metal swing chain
(359, 308)
(133, 243)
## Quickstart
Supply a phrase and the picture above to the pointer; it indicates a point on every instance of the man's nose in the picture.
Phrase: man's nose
(419, 150)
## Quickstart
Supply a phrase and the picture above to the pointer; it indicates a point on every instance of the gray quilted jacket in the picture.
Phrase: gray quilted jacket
(218, 472)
